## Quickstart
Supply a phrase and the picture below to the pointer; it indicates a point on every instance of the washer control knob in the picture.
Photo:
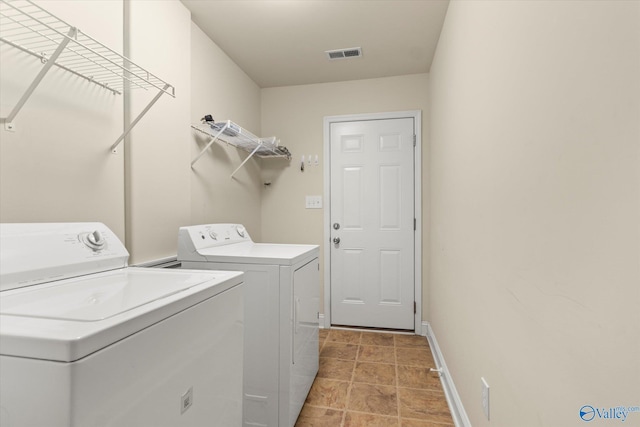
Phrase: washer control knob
(94, 240)
(213, 235)
(241, 230)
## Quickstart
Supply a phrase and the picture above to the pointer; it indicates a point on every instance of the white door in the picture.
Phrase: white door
(372, 223)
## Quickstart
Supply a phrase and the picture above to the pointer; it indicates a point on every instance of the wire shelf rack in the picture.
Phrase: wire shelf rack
(232, 134)
(28, 27)
(33, 30)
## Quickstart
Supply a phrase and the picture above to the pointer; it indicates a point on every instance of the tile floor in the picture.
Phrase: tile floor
(374, 379)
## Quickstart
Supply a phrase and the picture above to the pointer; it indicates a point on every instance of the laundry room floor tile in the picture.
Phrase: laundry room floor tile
(373, 338)
(411, 341)
(328, 393)
(425, 405)
(376, 354)
(313, 416)
(336, 369)
(407, 422)
(415, 357)
(375, 379)
(339, 335)
(375, 373)
(358, 419)
(373, 399)
(338, 350)
(418, 377)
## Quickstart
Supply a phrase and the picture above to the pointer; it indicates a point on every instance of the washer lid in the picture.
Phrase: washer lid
(72, 318)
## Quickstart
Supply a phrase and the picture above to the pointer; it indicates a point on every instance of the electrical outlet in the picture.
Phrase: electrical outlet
(485, 397)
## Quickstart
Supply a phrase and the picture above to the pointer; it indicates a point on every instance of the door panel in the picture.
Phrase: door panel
(352, 197)
(372, 265)
(390, 197)
(390, 274)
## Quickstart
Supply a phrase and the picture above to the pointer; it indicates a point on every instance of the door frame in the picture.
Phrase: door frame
(416, 115)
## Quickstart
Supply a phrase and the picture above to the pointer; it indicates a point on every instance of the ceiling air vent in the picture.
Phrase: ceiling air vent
(352, 52)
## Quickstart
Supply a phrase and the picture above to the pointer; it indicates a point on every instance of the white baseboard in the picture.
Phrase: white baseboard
(321, 320)
(458, 413)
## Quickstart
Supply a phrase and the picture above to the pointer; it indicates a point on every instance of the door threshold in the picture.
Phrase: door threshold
(372, 329)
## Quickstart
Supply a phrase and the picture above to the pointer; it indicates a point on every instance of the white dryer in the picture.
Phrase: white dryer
(87, 341)
(282, 286)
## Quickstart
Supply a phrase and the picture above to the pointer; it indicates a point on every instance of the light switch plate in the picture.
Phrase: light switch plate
(313, 202)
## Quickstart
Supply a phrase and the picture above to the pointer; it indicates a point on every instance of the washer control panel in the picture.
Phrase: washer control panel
(94, 240)
(42, 252)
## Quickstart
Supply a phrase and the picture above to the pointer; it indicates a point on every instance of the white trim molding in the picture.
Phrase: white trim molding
(458, 413)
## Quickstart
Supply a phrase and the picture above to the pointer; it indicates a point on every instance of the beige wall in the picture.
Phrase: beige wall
(295, 115)
(157, 151)
(164, 192)
(535, 272)
(220, 88)
(57, 165)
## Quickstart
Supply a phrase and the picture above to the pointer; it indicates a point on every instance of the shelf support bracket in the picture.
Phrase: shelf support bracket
(214, 139)
(247, 159)
(137, 119)
(43, 71)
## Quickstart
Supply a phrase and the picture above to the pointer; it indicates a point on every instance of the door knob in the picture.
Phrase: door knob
(336, 240)
(336, 226)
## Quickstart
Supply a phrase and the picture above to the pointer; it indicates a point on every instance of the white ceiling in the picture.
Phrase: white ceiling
(282, 42)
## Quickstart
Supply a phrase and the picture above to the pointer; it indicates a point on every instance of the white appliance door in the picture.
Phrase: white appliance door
(372, 205)
(304, 335)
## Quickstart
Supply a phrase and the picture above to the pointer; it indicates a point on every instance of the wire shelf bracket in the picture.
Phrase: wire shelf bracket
(33, 30)
(232, 134)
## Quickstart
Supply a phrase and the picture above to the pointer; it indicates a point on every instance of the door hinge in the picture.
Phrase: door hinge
(414, 224)
(414, 140)
(415, 307)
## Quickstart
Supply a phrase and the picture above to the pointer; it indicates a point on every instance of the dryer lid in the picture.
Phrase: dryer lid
(259, 253)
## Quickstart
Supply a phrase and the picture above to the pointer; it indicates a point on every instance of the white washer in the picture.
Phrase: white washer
(87, 341)
(282, 286)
